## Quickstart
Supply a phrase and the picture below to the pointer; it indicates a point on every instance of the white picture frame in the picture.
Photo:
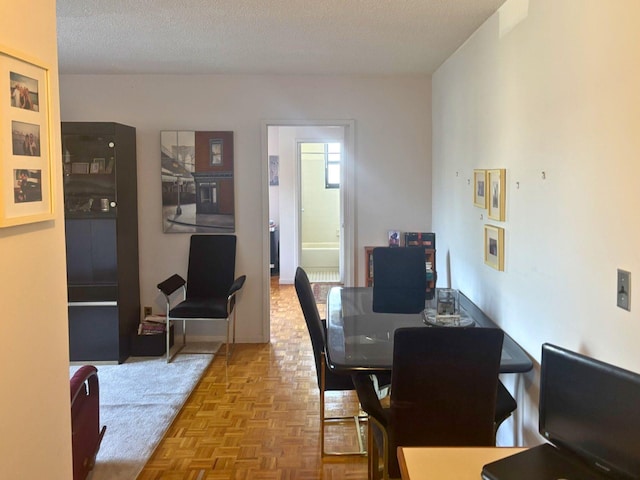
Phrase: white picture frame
(26, 187)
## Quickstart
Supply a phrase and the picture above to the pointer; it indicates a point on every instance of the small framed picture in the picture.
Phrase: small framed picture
(494, 247)
(97, 166)
(496, 193)
(480, 188)
(109, 167)
(274, 170)
(394, 238)
(80, 167)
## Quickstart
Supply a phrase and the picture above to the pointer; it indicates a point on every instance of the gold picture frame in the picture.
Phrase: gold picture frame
(480, 188)
(26, 186)
(496, 194)
(494, 247)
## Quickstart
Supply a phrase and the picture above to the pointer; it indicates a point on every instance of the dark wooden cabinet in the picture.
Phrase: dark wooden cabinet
(101, 221)
(274, 240)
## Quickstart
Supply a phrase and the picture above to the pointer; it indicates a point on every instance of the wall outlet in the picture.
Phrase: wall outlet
(147, 311)
(624, 289)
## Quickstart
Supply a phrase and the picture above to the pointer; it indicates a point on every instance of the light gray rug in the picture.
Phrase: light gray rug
(138, 401)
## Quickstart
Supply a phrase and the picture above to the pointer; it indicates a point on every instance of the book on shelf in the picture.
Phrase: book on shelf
(429, 269)
(150, 328)
(420, 239)
(152, 324)
(156, 318)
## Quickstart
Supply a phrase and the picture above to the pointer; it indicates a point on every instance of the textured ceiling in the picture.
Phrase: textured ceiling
(264, 36)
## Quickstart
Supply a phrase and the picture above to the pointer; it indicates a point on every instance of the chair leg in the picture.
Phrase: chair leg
(373, 464)
(177, 348)
(372, 457)
(228, 352)
(168, 334)
(231, 336)
(324, 420)
(385, 455)
(234, 327)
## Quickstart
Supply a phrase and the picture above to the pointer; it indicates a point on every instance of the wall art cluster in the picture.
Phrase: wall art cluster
(25, 152)
(489, 192)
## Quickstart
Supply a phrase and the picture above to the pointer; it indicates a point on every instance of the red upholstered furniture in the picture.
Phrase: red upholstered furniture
(86, 434)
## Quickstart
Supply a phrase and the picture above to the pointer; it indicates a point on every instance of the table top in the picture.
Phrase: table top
(448, 463)
(359, 339)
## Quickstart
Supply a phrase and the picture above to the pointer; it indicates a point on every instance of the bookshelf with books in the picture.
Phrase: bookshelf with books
(368, 266)
(428, 241)
(430, 263)
(420, 239)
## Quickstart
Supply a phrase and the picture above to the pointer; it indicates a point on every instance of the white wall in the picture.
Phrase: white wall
(35, 420)
(549, 89)
(392, 125)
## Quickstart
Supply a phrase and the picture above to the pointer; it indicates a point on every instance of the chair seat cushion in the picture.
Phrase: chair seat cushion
(334, 382)
(200, 308)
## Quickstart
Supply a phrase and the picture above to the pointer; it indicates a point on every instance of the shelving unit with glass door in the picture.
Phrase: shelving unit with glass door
(101, 221)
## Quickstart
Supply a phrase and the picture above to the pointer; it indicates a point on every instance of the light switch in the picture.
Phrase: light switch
(624, 289)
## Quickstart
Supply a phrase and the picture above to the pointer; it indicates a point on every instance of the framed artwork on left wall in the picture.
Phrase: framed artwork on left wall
(25, 151)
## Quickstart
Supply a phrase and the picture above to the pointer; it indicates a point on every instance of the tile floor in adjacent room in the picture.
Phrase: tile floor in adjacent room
(327, 276)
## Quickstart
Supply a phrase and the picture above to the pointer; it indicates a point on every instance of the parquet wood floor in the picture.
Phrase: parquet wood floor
(263, 424)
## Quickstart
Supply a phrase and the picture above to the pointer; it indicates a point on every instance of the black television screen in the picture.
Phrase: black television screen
(592, 409)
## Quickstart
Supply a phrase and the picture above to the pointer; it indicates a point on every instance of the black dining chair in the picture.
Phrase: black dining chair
(444, 385)
(505, 405)
(399, 279)
(211, 288)
(327, 380)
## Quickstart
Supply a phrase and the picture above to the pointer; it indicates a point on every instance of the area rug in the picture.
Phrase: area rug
(138, 401)
(321, 290)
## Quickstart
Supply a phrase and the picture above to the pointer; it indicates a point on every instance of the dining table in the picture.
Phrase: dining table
(361, 340)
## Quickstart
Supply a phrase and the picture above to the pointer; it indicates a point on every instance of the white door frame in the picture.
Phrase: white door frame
(347, 200)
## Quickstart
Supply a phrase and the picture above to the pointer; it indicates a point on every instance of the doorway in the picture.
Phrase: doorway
(319, 164)
(283, 201)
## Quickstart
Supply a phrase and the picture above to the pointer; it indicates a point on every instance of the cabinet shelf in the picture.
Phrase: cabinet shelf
(95, 215)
